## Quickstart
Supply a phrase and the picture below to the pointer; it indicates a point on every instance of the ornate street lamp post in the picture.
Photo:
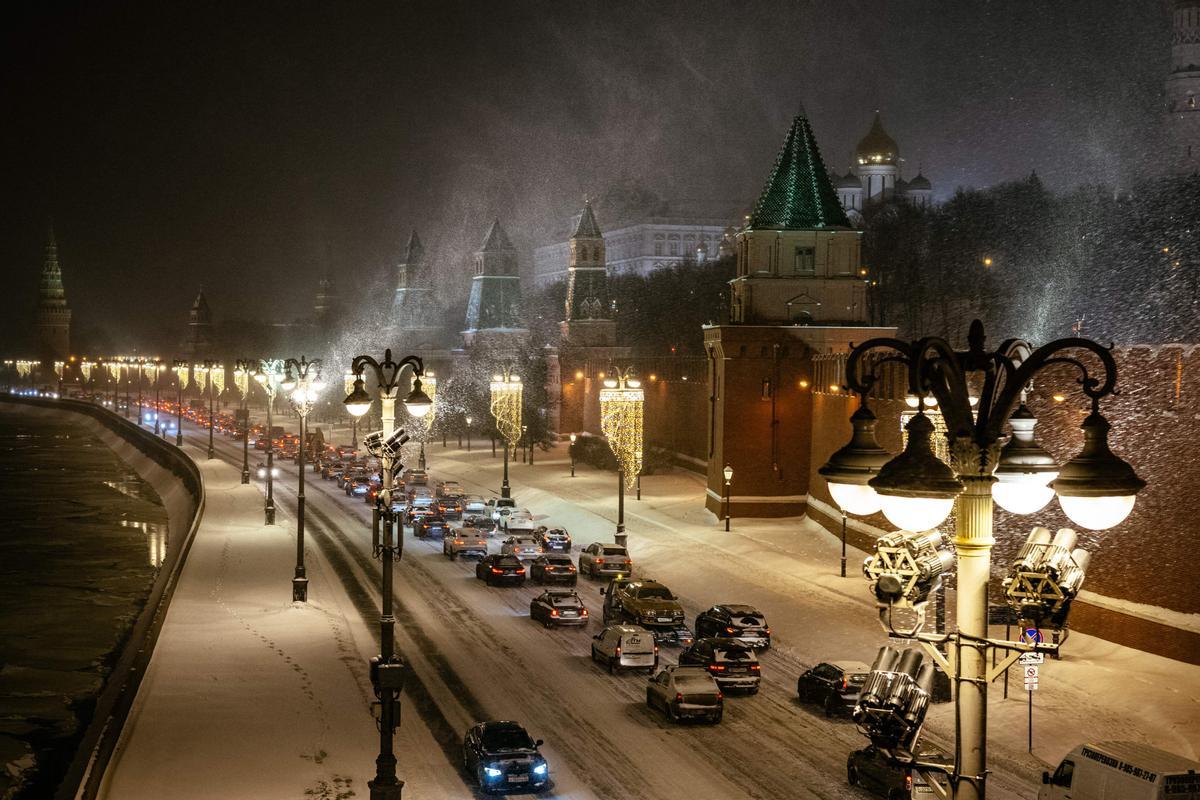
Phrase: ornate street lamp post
(425, 422)
(621, 402)
(302, 381)
(241, 379)
(728, 473)
(468, 433)
(128, 376)
(387, 669)
(140, 365)
(210, 371)
(349, 379)
(916, 492)
(506, 408)
(269, 375)
(181, 379)
(571, 452)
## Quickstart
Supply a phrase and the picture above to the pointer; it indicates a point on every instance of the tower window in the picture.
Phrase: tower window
(658, 248)
(674, 248)
(1191, 101)
(804, 261)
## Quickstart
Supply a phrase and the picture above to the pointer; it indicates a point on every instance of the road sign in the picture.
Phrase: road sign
(1031, 677)
(1031, 636)
(1032, 658)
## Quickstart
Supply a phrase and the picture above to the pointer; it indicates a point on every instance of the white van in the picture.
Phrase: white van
(625, 647)
(1122, 771)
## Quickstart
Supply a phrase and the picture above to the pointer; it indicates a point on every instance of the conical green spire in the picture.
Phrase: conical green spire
(52, 292)
(587, 227)
(798, 195)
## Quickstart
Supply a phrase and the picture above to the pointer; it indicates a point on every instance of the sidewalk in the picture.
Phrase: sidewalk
(249, 694)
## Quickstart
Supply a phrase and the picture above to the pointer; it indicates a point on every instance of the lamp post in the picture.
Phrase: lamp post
(387, 670)
(621, 402)
(241, 379)
(348, 379)
(524, 442)
(209, 370)
(506, 408)
(425, 421)
(468, 433)
(269, 375)
(181, 377)
(916, 491)
(728, 473)
(571, 452)
(114, 371)
(128, 375)
(302, 381)
(140, 364)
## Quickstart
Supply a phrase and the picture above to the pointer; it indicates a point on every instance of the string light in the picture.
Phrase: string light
(621, 423)
(506, 405)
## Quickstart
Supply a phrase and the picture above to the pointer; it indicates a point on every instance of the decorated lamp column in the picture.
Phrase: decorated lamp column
(269, 375)
(181, 379)
(506, 408)
(621, 402)
(424, 424)
(348, 379)
(302, 381)
(241, 379)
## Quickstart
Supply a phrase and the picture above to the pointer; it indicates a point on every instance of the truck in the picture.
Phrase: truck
(649, 604)
(1122, 771)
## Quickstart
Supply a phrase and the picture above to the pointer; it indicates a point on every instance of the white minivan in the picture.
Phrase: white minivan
(1122, 771)
(625, 647)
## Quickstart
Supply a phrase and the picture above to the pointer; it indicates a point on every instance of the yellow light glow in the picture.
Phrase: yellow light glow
(1058, 398)
(987, 262)
(578, 374)
(506, 408)
(833, 387)
(803, 384)
(621, 424)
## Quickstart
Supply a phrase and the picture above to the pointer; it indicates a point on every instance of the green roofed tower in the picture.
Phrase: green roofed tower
(798, 258)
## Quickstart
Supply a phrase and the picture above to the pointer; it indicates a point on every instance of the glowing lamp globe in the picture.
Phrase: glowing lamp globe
(916, 488)
(1096, 488)
(358, 402)
(857, 499)
(1024, 470)
(848, 470)
(418, 403)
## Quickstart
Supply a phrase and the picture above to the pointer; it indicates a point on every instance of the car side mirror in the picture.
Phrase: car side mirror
(1045, 777)
(602, 591)
(538, 743)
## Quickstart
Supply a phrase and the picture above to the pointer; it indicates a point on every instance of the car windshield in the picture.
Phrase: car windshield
(654, 593)
(496, 739)
(565, 600)
(614, 551)
(734, 654)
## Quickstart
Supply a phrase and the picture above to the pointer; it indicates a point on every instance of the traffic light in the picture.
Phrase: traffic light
(1045, 577)
(908, 566)
(894, 699)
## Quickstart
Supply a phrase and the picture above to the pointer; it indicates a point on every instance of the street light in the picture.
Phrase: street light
(348, 379)
(425, 421)
(302, 381)
(387, 669)
(571, 451)
(849, 470)
(468, 433)
(181, 379)
(917, 491)
(214, 381)
(241, 379)
(621, 402)
(140, 365)
(269, 376)
(728, 473)
(506, 407)
(157, 367)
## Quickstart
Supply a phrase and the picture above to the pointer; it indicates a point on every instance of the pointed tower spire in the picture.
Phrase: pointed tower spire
(495, 299)
(586, 225)
(799, 195)
(53, 316)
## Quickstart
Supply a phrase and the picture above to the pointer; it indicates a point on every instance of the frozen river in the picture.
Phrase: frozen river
(81, 538)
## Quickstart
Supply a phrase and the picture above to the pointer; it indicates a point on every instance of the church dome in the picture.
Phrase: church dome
(877, 147)
(847, 181)
(919, 182)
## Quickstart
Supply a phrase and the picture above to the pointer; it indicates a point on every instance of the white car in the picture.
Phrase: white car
(474, 504)
(519, 521)
(625, 647)
(686, 693)
(500, 507)
(525, 548)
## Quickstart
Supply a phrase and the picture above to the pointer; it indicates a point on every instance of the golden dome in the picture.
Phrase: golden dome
(877, 147)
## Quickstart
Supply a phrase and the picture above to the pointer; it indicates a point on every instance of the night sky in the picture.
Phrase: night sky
(246, 145)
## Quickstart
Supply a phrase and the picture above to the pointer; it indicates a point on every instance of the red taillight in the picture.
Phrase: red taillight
(585, 612)
(599, 560)
(908, 783)
(720, 696)
(730, 630)
(554, 612)
(843, 684)
(679, 697)
(497, 571)
(656, 649)
(768, 631)
(458, 541)
(521, 571)
(628, 561)
(716, 667)
(571, 569)
(618, 651)
(481, 541)
(548, 569)
(755, 668)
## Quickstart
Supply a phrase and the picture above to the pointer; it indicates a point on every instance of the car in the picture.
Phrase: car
(522, 547)
(482, 524)
(558, 607)
(621, 647)
(554, 540)
(474, 504)
(744, 623)
(450, 489)
(683, 692)
(463, 542)
(261, 471)
(649, 604)
(835, 685)
(501, 755)
(414, 513)
(601, 558)
(330, 467)
(374, 487)
(450, 508)
(871, 769)
(734, 666)
(430, 525)
(358, 485)
(496, 568)
(519, 521)
(415, 477)
(500, 507)
(553, 568)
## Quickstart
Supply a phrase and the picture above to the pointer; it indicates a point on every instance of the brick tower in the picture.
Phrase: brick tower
(53, 320)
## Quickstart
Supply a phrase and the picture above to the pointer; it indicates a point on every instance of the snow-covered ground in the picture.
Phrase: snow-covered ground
(475, 654)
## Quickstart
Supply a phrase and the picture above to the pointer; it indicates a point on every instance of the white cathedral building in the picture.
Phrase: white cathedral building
(875, 176)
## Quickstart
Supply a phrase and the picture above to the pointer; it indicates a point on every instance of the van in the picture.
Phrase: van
(1122, 771)
(625, 647)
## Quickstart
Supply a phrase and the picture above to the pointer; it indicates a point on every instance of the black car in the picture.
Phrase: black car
(553, 540)
(501, 755)
(553, 568)
(871, 769)
(735, 621)
(430, 525)
(835, 685)
(558, 607)
(497, 568)
(732, 665)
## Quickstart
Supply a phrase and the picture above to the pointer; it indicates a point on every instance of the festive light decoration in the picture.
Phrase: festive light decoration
(85, 369)
(621, 402)
(348, 378)
(241, 379)
(200, 376)
(114, 369)
(58, 368)
(181, 375)
(506, 405)
(217, 378)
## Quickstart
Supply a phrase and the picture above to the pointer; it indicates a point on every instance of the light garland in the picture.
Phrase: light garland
(114, 369)
(85, 369)
(621, 424)
(58, 368)
(506, 406)
(217, 379)
(241, 379)
(181, 376)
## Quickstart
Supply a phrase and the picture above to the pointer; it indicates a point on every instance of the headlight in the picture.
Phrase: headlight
(540, 769)
(491, 772)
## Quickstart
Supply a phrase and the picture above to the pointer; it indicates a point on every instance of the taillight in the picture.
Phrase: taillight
(497, 571)
(656, 649)
(730, 630)
(716, 667)
(618, 651)
(458, 541)
(679, 697)
(585, 612)
(554, 612)
(720, 696)
(628, 561)
(908, 783)
(521, 571)
(599, 560)
(768, 631)
(755, 668)
(571, 569)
